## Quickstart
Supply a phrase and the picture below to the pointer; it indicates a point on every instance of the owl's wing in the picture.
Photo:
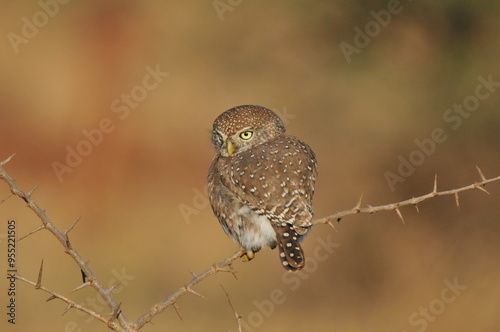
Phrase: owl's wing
(275, 179)
(219, 196)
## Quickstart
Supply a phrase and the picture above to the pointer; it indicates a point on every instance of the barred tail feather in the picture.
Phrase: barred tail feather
(291, 254)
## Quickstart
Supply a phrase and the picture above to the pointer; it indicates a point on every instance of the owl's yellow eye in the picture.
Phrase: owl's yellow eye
(246, 134)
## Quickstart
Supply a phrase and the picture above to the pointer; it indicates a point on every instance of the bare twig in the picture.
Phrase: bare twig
(71, 304)
(238, 317)
(117, 320)
(412, 201)
(177, 310)
(197, 278)
(122, 323)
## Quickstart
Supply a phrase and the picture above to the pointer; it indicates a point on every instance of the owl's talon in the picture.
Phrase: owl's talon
(247, 256)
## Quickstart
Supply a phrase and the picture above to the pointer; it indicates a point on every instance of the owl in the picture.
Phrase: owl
(261, 183)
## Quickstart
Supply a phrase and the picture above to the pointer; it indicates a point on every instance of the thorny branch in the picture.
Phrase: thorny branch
(412, 201)
(54, 295)
(222, 266)
(117, 321)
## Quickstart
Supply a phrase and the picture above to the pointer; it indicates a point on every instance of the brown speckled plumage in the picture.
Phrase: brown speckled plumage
(261, 187)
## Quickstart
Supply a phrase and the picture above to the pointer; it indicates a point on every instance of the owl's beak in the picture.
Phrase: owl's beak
(230, 147)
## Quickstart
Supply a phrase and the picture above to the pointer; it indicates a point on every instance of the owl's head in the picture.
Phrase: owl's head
(243, 127)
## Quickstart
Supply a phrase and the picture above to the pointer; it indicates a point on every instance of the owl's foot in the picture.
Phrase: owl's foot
(248, 256)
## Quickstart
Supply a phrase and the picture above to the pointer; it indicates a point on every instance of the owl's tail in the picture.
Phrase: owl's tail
(291, 254)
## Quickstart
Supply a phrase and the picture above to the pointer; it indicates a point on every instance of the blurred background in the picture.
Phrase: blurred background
(108, 106)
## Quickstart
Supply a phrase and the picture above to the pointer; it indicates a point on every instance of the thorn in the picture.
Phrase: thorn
(70, 228)
(117, 311)
(33, 231)
(81, 286)
(332, 226)
(359, 203)
(113, 287)
(51, 298)
(84, 276)
(6, 160)
(68, 308)
(193, 274)
(416, 207)
(238, 316)
(6, 198)
(457, 201)
(177, 310)
(478, 186)
(68, 244)
(190, 290)
(400, 215)
(434, 191)
(39, 280)
(25, 198)
(32, 190)
(232, 271)
(481, 174)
